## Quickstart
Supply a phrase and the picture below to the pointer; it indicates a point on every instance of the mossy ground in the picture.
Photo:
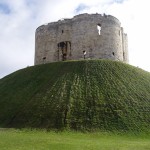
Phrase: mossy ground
(80, 95)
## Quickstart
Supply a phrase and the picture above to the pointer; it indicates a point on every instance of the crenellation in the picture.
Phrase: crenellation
(100, 36)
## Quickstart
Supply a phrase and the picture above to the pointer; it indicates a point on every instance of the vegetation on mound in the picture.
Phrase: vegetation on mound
(80, 95)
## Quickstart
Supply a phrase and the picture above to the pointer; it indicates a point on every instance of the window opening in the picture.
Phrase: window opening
(44, 59)
(113, 53)
(62, 31)
(123, 55)
(99, 28)
(84, 53)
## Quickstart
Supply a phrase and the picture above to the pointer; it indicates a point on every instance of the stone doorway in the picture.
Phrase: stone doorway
(64, 50)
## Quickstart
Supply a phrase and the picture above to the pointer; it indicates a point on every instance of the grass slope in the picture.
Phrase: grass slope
(80, 95)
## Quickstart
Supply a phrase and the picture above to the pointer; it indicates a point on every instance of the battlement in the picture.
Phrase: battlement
(85, 36)
(102, 16)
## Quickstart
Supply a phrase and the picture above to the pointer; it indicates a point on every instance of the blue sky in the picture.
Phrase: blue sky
(4, 8)
(20, 18)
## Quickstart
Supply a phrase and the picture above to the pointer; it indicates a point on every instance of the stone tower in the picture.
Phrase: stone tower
(89, 36)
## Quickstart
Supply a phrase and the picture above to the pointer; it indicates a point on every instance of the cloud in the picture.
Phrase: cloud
(16, 32)
(80, 8)
(134, 15)
(20, 18)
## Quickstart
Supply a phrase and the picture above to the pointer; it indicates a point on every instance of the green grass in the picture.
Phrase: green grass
(42, 140)
(78, 95)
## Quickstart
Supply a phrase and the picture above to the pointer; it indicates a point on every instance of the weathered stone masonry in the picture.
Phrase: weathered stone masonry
(98, 36)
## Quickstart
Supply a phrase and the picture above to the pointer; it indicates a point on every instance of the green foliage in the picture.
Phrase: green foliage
(80, 95)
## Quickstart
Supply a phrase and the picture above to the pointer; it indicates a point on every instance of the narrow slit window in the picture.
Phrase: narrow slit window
(99, 28)
(44, 59)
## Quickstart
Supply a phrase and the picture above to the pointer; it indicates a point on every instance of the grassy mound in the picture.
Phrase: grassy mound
(80, 95)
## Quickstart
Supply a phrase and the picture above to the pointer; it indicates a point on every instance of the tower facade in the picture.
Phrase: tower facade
(85, 36)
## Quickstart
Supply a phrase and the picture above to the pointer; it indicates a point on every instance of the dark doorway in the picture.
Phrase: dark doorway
(64, 48)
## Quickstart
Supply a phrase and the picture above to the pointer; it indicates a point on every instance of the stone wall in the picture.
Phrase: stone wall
(95, 35)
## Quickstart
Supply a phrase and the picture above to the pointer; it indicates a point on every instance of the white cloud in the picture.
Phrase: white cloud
(134, 15)
(20, 18)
